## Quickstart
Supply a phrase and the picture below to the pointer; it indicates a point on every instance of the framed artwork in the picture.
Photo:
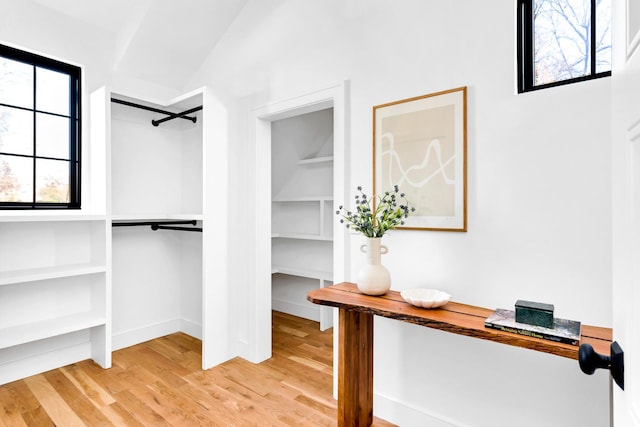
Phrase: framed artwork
(420, 145)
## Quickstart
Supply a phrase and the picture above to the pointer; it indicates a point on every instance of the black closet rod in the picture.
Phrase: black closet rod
(168, 227)
(179, 115)
(152, 223)
(183, 115)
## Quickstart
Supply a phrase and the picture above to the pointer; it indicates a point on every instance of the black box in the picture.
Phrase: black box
(534, 313)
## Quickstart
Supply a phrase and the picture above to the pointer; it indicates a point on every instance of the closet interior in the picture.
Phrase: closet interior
(302, 214)
(155, 198)
(129, 266)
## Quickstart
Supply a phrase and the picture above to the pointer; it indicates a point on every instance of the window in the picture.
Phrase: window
(562, 41)
(39, 132)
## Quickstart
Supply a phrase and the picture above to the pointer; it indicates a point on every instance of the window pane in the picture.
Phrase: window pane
(603, 36)
(52, 91)
(52, 181)
(16, 179)
(52, 136)
(37, 97)
(16, 131)
(562, 34)
(16, 83)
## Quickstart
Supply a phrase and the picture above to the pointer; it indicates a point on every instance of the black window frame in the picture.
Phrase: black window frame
(526, 46)
(75, 134)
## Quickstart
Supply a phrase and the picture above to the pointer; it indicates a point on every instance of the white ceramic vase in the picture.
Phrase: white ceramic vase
(373, 278)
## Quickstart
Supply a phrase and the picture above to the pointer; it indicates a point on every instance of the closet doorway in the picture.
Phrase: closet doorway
(300, 177)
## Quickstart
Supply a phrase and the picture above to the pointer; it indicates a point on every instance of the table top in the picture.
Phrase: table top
(454, 317)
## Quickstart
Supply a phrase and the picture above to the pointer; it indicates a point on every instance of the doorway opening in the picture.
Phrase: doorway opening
(301, 213)
(297, 186)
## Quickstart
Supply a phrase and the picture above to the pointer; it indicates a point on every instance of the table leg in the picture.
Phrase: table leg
(355, 369)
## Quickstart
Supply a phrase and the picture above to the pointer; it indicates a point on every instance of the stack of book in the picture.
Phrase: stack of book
(563, 331)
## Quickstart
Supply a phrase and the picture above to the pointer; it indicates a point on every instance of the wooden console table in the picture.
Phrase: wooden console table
(355, 353)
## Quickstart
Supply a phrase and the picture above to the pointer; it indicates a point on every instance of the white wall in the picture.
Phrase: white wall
(539, 209)
(539, 197)
(31, 26)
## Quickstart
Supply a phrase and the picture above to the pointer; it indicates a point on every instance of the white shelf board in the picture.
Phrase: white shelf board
(49, 216)
(156, 217)
(301, 272)
(301, 236)
(30, 332)
(315, 160)
(44, 273)
(156, 102)
(304, 199)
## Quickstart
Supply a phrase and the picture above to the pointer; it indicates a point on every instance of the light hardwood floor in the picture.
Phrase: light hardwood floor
(160, 383)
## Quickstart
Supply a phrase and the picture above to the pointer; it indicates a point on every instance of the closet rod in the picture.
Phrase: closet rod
(171, 115)
(168, 227)
(152, 223)
(179, 115)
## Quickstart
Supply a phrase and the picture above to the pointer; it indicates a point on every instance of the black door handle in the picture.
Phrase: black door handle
(589, 361)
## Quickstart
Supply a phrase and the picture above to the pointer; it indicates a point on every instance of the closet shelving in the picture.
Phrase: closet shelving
(54, 292)
(314, 160)
(302, 213)
(73, 286)
(304, 237)
(45, 273)
(155, 187)
(287, 210)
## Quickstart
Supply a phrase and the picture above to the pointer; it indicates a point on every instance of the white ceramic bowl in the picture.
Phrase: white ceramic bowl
(426, 298)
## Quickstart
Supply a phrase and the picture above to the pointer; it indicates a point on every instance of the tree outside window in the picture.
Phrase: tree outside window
(563, 41)
(39, 131)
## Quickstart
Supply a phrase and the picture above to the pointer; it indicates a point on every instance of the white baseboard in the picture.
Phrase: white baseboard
(43, 362)
(408, 416)
(145, 333)
(191, 328)
(296, 309)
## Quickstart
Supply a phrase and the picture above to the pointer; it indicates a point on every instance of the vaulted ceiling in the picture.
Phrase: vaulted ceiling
(161, 41)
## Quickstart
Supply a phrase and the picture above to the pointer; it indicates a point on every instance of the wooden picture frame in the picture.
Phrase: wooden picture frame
(420, 144)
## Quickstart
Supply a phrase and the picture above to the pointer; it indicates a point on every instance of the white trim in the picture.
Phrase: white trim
(407, 415)
(44, 362)
(296, 309)
(191, 328)
(633, 40)
(259, 336)
(138, 335)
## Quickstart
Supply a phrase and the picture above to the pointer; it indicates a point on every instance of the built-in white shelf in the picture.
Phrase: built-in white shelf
(49, 217)
(156, 217)
(45, 273)
(301, 236)
(315, 160)
(22, 334)
(303, 199)
(311, 274)
(56, 261)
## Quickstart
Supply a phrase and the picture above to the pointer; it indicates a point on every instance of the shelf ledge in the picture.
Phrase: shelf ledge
(49, 217)
(300, 272)
(155, 217)
(22, 334)
(45, 273)
(303, 199)
(315, 160)
(297, 236)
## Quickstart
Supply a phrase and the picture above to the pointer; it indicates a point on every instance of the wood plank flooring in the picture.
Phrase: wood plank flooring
(160, 383)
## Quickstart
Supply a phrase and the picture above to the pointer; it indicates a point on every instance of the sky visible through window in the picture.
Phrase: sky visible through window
(52, 133)
(563, 39)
